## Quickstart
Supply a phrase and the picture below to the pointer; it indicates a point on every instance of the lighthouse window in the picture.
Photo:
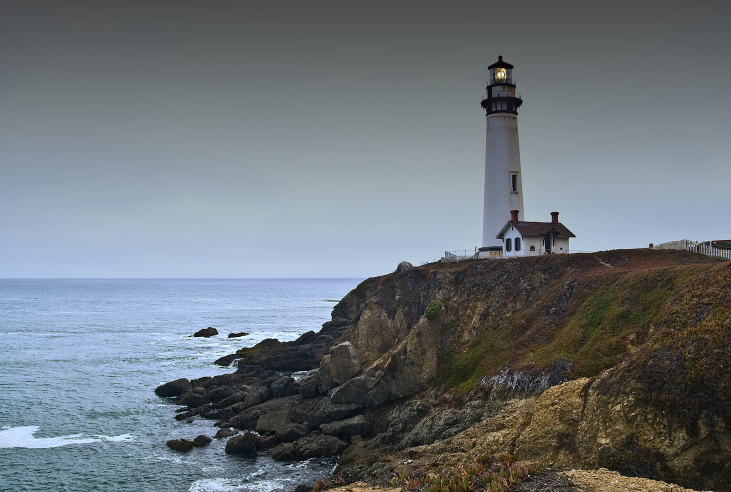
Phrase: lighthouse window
(508, 244)
(514, 183)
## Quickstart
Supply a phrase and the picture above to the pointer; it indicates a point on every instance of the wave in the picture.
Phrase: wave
(22, 437)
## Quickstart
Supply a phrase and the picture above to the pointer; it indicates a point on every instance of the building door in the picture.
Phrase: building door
(547, 242)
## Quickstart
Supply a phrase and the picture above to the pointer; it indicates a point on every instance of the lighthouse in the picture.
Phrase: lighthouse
(503, 182)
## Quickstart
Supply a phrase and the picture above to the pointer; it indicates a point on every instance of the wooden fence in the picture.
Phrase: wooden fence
(703, 248)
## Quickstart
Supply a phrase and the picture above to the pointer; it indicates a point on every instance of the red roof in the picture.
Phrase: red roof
(537, 228)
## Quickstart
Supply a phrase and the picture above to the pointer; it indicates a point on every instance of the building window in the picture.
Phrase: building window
(517, 244)
(514, 183)
(508, 244)
(532, 248)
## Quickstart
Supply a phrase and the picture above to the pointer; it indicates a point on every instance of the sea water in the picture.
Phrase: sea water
(80, 359)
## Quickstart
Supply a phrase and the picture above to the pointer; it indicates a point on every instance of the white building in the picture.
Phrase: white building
(503, 181)
(520, 238)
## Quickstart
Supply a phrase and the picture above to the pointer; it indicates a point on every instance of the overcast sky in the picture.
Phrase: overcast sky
(335, 139)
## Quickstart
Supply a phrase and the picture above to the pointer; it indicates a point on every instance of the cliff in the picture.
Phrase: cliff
(617, 359)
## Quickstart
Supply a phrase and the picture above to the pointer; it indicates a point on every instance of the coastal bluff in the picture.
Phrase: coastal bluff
(617, 359)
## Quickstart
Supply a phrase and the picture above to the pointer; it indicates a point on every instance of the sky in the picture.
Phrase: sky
(336, 139)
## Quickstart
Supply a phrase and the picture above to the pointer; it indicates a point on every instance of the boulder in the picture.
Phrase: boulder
(273, 421)
(173, 388)
(182, 445)
(317, 411)
(220, 393)
(354, 390)
(312, 446)
(202, 440)
(225, 432)
(192, 400)
(249, 418)
(355, 426)
(292, 432)
(226, 360)
(307, 384)
(231, 400)
(378, 394)
(242, 444)
(266, 442)
(225, 413)
(325, 380)
(280, 387)
(403, 266)
(251, 399)
(237, 335)
(345, 362)
(206, 332)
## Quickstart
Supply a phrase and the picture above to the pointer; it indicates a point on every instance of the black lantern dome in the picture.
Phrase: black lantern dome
(501, 96)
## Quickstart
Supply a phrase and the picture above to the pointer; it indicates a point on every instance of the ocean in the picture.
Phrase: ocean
(80, 359)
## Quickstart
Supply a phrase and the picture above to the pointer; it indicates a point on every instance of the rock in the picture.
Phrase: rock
(249, 418)
(232, 400)
(302, 488)
(307, 384)
(325, 381)
(173, 388)
(312, 446)
(303, 354)
(273, 421)
(280, 423)
(202, 440)
(266, 442)
(220, 393)
(280, 386)
(226, 360)
(345, 362)
(225, 432)
(356, 391)
(237, 335)
(355, 426)
(317, 411)
(192, 400)
(292, 433)
(206, 332)
(252, 399)
(225, 413)
(242, 444)
(378, 394)
(182, 445)
(403, 266)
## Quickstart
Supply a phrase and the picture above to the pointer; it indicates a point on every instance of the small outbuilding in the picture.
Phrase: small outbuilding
(522, 238)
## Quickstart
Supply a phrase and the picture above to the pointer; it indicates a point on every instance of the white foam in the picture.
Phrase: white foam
(215, 485)
(22, 437)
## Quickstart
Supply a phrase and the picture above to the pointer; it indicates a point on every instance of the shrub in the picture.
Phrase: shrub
(433, 309)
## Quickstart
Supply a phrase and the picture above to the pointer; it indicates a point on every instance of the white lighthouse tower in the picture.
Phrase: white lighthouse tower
(503, 183)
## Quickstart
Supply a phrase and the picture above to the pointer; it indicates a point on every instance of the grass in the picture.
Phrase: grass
(433, 309)
(685, 369)
(593, 317)
(495, 477)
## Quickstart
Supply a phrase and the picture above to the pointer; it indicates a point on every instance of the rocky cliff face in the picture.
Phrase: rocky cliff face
(617, 359)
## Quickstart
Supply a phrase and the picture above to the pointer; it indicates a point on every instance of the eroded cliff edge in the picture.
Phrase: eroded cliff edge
(617, 359)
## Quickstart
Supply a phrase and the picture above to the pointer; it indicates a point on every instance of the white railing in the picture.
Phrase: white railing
(703, 248)
(459, 255)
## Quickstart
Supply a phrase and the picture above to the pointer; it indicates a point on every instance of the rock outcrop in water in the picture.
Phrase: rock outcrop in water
(206, 332)
(615, 359)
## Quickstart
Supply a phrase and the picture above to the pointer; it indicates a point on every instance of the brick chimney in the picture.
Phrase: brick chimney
(514, 216)
(554, 217)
